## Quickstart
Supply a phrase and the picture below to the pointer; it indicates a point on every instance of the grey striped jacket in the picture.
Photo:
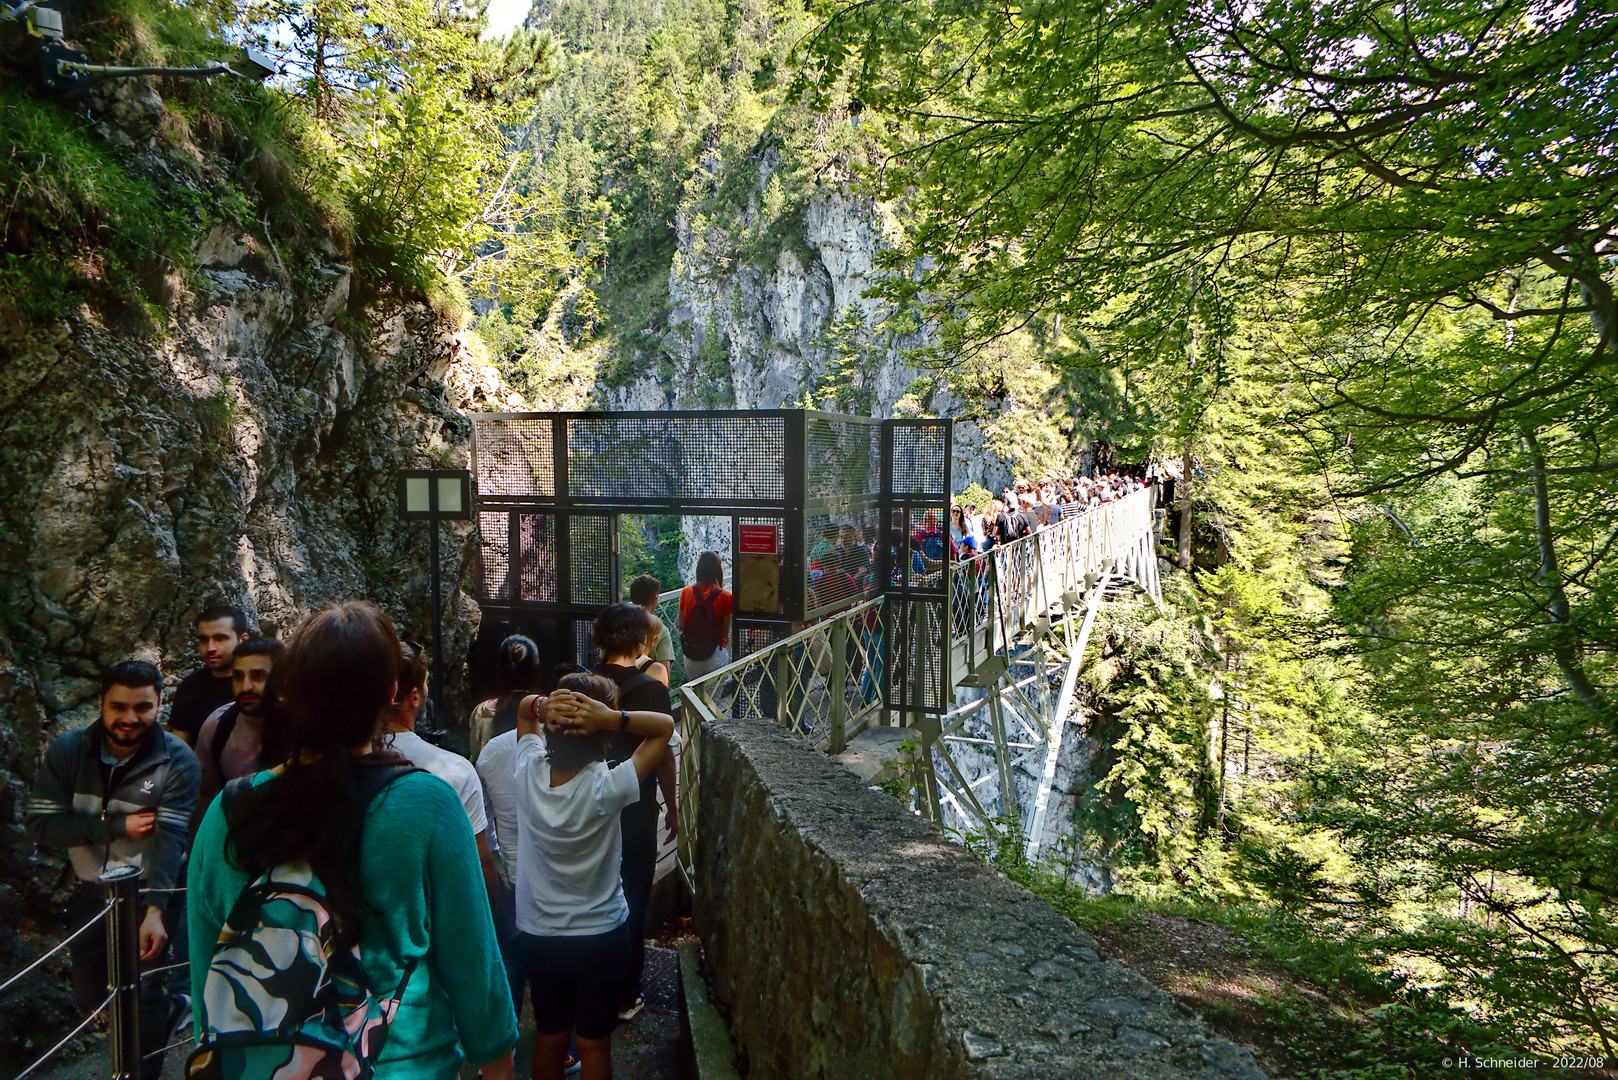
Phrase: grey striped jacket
(79, 804)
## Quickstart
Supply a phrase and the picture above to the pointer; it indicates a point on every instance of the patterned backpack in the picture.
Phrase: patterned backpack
(283, 1003)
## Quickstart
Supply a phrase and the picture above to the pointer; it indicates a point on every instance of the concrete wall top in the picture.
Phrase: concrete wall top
(849, 939)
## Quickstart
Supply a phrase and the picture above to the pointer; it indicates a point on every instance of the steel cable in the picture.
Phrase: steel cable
(68, 1037)
(56, 948)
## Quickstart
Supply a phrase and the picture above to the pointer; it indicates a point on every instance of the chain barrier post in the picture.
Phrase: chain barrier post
(123, 970)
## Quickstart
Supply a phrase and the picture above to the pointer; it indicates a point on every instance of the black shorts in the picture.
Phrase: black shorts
(578, 983)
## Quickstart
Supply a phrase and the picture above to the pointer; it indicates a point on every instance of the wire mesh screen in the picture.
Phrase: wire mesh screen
(921, 451)
(536, 558)
(839, 557)
(592, 560)
(918, 652)
(494, 557)
(842, 457)
(584, 651)
(514, 456)
(703, 460)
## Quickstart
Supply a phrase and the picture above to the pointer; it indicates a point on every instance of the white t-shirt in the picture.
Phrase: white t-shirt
(495, 767)
(570, 845)
(449, 767)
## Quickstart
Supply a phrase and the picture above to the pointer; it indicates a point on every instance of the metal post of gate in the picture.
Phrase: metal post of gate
(838, 735)
(123, 970)
(784, 690)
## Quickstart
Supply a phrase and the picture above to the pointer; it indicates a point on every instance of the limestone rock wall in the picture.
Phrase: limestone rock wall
(752, 333)
(848, 939)
(246, 454)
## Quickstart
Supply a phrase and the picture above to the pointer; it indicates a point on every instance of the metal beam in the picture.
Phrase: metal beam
(1064, 701)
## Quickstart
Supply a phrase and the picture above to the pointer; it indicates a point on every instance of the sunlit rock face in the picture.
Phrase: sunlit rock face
(760, 334)
(247, 453)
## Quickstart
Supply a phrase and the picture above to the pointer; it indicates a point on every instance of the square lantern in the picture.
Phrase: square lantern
(435, 493)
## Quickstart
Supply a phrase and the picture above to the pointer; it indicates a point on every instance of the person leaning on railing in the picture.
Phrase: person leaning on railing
(119, 793)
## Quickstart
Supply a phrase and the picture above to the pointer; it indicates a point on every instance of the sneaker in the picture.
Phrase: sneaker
(633, 1010)
(572, 1065)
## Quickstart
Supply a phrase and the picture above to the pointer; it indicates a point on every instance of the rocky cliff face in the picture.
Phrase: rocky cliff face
(791, 326)
(247, 454)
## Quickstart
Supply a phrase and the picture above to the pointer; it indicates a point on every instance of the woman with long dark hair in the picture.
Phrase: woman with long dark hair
(517, 668)
(392, 851)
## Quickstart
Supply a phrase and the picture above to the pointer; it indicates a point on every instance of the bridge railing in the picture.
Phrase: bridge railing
(668, 609)
(998, 594)
(824, 682)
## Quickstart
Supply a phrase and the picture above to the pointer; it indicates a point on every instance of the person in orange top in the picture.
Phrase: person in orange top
(705, 618)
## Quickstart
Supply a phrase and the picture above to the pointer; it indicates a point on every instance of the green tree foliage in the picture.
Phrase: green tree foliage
(673, 115)
(1386, 232)
(412, 121)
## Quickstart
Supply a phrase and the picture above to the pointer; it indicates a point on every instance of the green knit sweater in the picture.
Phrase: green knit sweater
(425, 898)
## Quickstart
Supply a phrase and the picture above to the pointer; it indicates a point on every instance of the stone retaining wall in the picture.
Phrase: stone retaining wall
(848, 939)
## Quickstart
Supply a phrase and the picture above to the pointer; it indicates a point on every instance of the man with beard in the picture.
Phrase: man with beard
(119, 794)
(234, 741)
(220, 629)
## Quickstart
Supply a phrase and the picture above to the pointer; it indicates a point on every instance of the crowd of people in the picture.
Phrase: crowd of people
(288, 798)
(289, 782)
(1025, 507)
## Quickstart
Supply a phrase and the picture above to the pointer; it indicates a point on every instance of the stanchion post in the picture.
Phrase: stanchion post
(123, 971)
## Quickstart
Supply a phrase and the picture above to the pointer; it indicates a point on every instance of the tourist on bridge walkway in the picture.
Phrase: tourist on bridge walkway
(705, 609)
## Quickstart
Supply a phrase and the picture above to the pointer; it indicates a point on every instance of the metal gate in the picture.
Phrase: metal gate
(550, 489)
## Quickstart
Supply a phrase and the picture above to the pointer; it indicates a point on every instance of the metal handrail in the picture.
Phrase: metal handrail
(791, 669)
(121, 917)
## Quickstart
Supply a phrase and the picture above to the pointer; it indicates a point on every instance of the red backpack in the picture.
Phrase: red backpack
(699, 637)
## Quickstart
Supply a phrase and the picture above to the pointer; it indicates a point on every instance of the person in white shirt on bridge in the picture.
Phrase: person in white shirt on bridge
(448, 766)
(572, 918)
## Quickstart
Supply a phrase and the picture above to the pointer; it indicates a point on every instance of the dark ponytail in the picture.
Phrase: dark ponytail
(338, 675)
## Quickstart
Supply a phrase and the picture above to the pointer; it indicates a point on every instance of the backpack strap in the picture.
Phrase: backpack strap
(221, 735)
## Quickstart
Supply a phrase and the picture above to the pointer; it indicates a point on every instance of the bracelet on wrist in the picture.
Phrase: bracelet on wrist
(623, 720)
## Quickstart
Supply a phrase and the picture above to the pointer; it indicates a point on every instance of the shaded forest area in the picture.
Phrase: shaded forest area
(1355, 262)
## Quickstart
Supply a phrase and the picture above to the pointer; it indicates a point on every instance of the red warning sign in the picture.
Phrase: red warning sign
(757, 540)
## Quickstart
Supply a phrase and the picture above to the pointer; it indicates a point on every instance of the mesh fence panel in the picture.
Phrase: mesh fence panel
(584, 651)
(920, 457)
(693, 460)
(514, 457)
(494, 556)
(919, 654)
(842, 457)
(536, 558)
(592, 562)
(839, 555)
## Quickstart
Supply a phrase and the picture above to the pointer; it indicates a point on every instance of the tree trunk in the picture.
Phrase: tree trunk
(1563, 648)
(1184, 494)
